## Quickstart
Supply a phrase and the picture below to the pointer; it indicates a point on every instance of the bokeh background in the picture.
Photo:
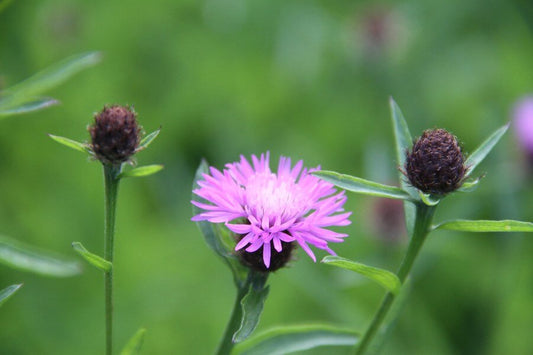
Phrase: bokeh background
(304, 78)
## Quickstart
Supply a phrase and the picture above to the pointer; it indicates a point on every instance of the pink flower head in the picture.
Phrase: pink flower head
(523, 123)
(271, 209)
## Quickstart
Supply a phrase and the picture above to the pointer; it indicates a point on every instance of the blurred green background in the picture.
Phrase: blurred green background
(308, 79)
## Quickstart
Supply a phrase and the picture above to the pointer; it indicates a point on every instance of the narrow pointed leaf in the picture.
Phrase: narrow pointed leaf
(142, 171)
(402, 136)
(252, 306)
(51, 76)
(26, 106)
(28, 258)
(362, 186)
(7, 292)
(93, 259)
(80, 147)
(145, 142)
(133, 347)
(428, 199)
(484, 149)
(470, 186)
(285, 340)
(485, 226)
(403, 143)
(383, 277)
(217, 237)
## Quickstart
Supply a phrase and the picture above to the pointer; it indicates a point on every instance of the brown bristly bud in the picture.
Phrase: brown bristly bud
(254, 260)
(435, 165)
(115, 134)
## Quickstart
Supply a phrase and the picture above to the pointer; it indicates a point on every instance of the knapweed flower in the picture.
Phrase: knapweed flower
(436, 164)
(115, 134)
(270, 212)
(523, 124)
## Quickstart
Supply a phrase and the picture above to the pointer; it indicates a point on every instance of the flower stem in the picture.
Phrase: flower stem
(111, 182)
(423, 218)
(227, 344)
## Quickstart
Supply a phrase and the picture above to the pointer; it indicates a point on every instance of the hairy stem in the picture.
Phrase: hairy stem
(423, 218)
(111, 182)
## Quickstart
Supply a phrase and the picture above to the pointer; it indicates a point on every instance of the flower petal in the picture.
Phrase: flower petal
(266, 254)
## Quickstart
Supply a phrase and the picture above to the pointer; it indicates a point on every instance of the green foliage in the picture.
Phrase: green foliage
(385, 278)
(402, 136)
(290, 339)
(428, 199)
(469, 186)
(133, 347)
(8, 292)
(29, 106)
(362, 186)
(148, 139)
(252, 306)
(484, 149)
(80, 147)
(27, 258)
(403, 143)
(485, 226)
(93, 259)
(24, 97)
(141, 171)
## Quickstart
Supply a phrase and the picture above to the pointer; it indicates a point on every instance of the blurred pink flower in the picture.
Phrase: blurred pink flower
(272, 209)
(523, 123)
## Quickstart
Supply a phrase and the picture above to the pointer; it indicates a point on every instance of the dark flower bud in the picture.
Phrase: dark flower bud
(115, 134)
(254, 260)
(436, 164)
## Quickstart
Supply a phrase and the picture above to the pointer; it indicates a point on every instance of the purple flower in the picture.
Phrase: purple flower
(523, 123)
(271, 209)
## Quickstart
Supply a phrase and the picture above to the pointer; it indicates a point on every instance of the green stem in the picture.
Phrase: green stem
(111, 182)
(227, 344)
(423, 218)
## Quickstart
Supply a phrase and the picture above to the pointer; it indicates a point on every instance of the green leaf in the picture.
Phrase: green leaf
(485, 226)
(383, 277)
(145, 142)
(218, 237)
(362, 186)
(142, 171)
(285, 340)
(428, 199)
(80, 147)
(484, 149)
(403, 143)
(27, 106)
(133, 347)
(402, 136)
(93, 259)
(48, 78)
(252, 306)
(7, 292)
(469, 186)
(27, 258)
